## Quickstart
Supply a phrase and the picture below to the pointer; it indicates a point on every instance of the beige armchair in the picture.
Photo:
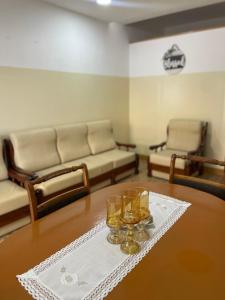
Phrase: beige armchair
(184, 137)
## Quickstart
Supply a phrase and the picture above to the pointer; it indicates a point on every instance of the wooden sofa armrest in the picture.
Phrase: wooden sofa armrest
(155, 147)
(20, 177)
(127, 146)
(202, 159)
(24, 172)
(62, 172)
(16, 176)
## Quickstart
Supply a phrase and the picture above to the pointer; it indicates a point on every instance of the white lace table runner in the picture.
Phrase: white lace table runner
(90, 267)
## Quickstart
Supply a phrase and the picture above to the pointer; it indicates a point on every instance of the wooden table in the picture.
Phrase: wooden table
(188, 262)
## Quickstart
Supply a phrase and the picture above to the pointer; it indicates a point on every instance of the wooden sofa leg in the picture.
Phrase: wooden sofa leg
(32, 199)
(113, 179)
(200, 169)
(137, 164)
(149, 168)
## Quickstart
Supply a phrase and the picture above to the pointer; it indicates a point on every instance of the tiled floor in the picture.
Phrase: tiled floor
(142, 176)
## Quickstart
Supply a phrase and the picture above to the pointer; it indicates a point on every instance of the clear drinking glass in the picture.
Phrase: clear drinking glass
(130, 216)
(113, 221)
(141, 234)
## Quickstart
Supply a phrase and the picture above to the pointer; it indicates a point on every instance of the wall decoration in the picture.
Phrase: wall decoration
(174, 60)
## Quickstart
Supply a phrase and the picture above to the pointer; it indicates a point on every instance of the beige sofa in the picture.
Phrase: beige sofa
(40, 152)
(12, 197)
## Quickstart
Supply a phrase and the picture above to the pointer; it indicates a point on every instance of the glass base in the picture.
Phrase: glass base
(130, 247)
(113, 238)
(141, 235)
(149, 224)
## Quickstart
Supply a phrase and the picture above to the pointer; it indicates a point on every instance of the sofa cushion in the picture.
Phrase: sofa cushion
(163, 158)
(50, 170)
(184, 135)
(100, 136)
(3, 169)
(12, 196)
(72, 142)
(96, 165)
(118, 157)
(35, 150)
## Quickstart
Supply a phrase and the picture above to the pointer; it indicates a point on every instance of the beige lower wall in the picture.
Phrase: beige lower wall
(35, 98)
(154, 100)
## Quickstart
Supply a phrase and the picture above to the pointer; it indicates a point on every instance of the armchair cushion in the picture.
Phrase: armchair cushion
(163, 158)
(12, 196)
(100, 136)
(184, 135)
(72, 142)
(118, 157)
(3, 169)
(35, 150)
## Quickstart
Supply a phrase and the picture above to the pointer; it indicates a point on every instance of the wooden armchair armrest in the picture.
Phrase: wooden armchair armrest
(62, 172)
(127, 146)
(193, 158)
(155, 147)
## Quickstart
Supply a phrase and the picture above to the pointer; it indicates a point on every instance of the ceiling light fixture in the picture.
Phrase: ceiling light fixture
(103, 2)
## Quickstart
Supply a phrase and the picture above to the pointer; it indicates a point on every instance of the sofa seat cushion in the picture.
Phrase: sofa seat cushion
(12, 196)
(100, 136)
(72, 142)
(35, 150)
(163, 158)
(49, 170)
(184, 135)
(3, 170)
(96, 165)
(59, 183)
(118, 157)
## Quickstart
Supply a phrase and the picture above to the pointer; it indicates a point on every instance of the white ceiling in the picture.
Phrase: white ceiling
(128, 11)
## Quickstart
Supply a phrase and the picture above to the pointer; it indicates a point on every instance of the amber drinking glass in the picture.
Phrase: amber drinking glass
(130, 216)
(113, 221)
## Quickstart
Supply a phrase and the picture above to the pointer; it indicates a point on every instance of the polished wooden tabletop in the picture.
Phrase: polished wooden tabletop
(188, 262)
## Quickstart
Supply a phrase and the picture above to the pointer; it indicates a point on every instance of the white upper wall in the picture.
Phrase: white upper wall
(204, 53)
(35, 34)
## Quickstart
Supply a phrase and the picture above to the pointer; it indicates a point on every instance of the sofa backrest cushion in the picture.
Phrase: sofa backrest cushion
(100, 136)
(184, 135)
(72, 142)
(35, 150)
(3, 169)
